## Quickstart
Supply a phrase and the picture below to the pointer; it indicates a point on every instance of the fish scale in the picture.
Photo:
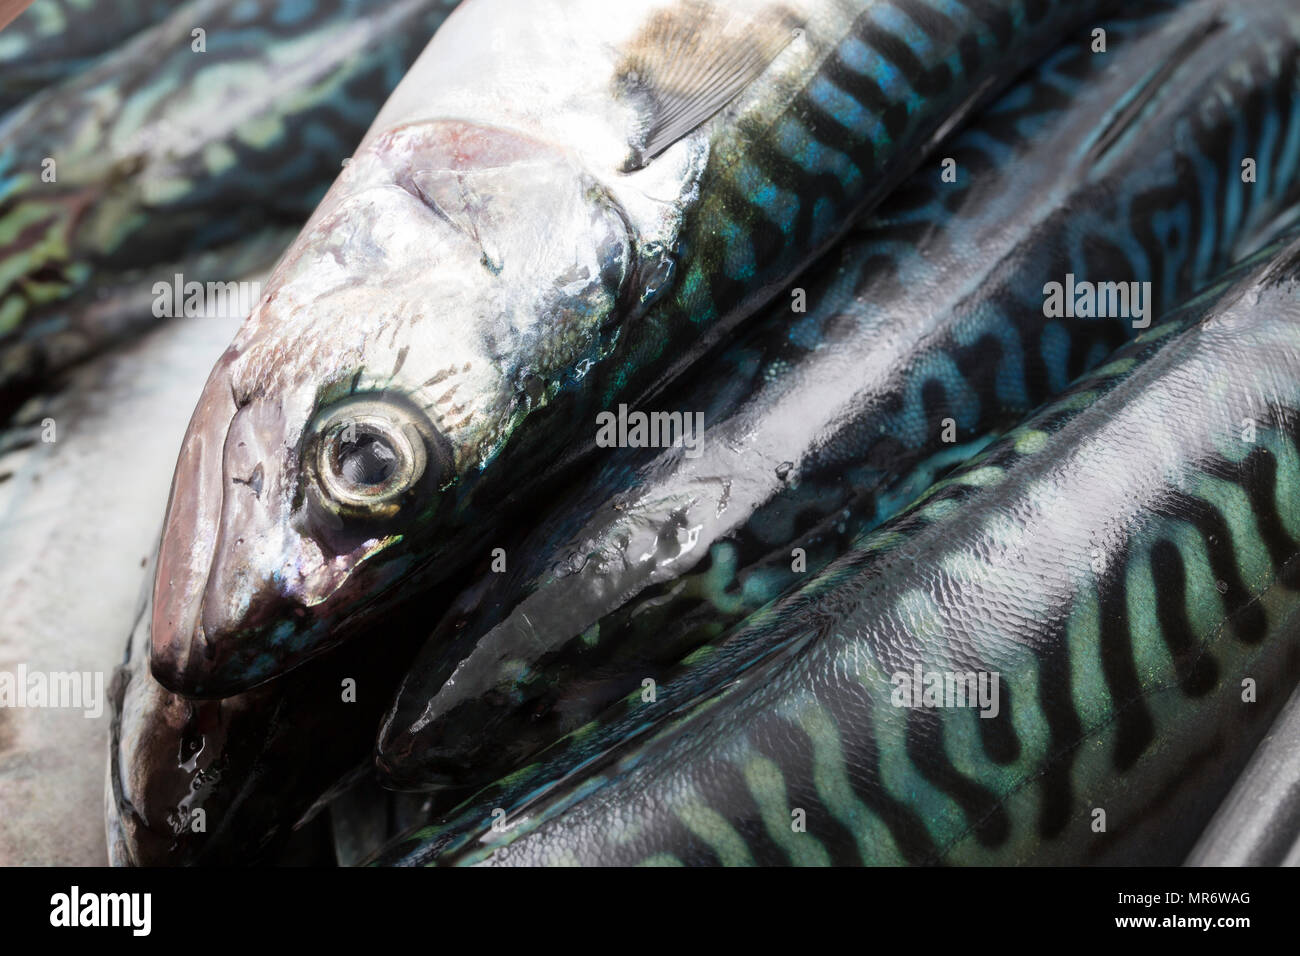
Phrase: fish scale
(582, 253)
(1122, 639)
(821, 426)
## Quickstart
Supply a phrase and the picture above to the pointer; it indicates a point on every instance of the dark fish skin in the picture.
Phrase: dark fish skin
(504, 398)
(364, 818)
(257, 765)
(53, 39)
(1122, 167)
(163, 155)
(1125, 560)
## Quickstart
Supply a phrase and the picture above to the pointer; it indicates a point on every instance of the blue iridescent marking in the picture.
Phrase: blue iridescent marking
(1056, 350)
(846, 110)
(779, 205)
(895, 21)
(857, 56)
(814, 157)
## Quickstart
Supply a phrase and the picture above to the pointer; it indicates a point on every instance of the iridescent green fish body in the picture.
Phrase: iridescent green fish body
(53, 39)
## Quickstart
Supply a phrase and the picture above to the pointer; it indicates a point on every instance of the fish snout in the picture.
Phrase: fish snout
(279, 531)
(229, 559)
(189, 538)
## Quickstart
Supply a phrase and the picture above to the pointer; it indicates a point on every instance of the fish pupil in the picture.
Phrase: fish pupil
(367, 461)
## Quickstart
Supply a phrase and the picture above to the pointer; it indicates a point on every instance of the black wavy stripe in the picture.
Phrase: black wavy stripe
(791, 749)
(1247, 615)
(1135, 728)
(852, 711)
(980, 364)
(1259, 472)
(934, 23)
(983, 809)
(1224, 746)
(1056, 703)
(1279, 103)
(1197, 671)
(827, 130)
(926, 81)
(726, 788)
(1149, 206)
(998, 735)
(1250, 122)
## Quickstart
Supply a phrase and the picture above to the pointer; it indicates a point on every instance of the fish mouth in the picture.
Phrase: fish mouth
(181, 656)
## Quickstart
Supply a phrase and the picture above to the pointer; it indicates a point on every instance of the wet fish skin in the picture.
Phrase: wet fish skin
(257, 765)
(53, 39)
(120, 308)
(579, 259)
(162, 153)
(1123, 560)
(822, 426)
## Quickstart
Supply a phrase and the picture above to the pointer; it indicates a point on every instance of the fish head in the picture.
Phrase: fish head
(454, 280)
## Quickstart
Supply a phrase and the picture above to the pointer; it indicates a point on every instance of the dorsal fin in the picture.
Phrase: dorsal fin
(690, 60)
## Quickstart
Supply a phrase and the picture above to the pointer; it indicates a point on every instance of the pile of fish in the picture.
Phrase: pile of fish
(704, 432)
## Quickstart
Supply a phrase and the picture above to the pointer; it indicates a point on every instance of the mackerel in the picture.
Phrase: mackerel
(1122, 570)
(562, 206)
(53, 39)
(926, 334)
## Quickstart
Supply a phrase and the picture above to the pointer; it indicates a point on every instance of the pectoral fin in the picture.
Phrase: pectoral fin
(690, 61)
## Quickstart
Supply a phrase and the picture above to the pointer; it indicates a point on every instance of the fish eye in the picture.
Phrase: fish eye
(368, 460)
(370, 455)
